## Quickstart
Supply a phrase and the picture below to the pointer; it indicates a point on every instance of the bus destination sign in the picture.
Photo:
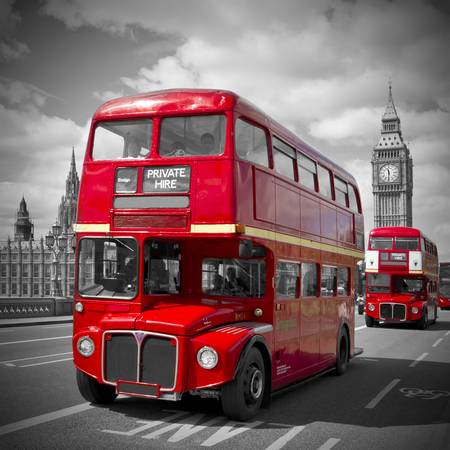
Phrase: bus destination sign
(166, 179)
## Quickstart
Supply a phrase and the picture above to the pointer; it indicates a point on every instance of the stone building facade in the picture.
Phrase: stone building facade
(28, 268)
(392, 173)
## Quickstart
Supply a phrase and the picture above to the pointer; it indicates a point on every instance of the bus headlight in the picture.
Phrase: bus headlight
(85, 346)
(414, 309)
(207, 358)
(371, 307)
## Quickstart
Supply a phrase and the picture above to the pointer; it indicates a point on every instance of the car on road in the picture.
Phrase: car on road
(444, 302)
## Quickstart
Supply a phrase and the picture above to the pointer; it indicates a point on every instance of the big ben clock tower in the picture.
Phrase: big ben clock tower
(392, 181)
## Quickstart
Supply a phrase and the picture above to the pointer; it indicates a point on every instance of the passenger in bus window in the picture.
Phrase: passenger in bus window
(207, 143)
(159, 276)
(132, 147)
(232, 282)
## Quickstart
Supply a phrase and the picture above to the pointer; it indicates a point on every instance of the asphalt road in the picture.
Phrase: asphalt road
(394, 396)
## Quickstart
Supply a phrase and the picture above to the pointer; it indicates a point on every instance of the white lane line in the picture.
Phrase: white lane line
(448, 332)
(437, 342)
(35, 340)
(283, 440)
(44, 418)
(382, 394)
(417, 360)
(329, 444)
(46, 362)
(64, 325)
(34, 357)
(360, 328)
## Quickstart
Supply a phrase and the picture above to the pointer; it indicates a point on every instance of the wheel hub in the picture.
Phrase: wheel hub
(256, 384)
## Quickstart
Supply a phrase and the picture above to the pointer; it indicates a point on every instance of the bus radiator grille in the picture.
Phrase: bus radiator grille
(392, 311)
(157, 358)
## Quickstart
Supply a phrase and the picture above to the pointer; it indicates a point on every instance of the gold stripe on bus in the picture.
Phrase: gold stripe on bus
(91, 227)
(214, 228)
(281, 237)
(273, 236)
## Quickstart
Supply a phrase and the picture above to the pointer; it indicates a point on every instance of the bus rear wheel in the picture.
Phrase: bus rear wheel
(342, 354)
(93, 391)
(242, 397)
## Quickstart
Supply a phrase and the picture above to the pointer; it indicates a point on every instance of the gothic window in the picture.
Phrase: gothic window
(14, 270)
(35, 289)
(14, 288)
(25, 289)
(35, 270)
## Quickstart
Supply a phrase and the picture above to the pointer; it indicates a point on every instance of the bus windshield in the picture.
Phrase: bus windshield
(192, 136)
(408, 285)
(107, 267)
(379, 282)
(234, 277)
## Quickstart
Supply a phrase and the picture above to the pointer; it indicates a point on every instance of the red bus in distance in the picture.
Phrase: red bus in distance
(401, 277)
(216, 253)
(444, 285)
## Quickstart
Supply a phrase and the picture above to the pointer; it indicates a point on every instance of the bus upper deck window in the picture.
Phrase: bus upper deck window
(251, 143)
(381, 243)
(126, 139)
(192, 136)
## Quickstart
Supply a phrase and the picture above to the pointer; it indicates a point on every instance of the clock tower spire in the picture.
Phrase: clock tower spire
(392, 165)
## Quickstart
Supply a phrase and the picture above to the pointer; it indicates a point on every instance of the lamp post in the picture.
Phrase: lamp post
(57, 244)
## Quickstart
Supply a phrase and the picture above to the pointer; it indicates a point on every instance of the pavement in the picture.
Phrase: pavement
(34, 321)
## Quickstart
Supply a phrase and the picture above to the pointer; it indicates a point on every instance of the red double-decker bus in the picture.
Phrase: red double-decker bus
(444, 285)
(216, 253)
(402, 277)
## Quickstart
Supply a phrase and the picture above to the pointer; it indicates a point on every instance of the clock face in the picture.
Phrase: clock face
(389, 173)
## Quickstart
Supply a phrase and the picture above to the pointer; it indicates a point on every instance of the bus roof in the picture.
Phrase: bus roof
(397, 231)
(205, 101)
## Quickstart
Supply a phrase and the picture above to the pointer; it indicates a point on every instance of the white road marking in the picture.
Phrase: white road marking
(36, 340)
(34, 357)
(283, 440)
(374, 402)
(46, 362)
(448, 332)
(228, 431)
(44, 418)
(329, 444)
(437, 342)
(417, 360)
(63, 325)
(360, 328)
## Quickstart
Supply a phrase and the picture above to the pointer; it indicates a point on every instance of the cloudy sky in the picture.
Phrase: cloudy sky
(320, 67)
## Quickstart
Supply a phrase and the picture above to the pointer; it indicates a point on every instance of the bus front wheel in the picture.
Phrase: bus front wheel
(370, 321)
(93, 391)
(422, 323)
(342, 354)
(242, 397)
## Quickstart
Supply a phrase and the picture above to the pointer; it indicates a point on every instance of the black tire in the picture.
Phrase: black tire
(422, 323)
(93, 391)
(342, 353)
(242, 397)
(370, 321)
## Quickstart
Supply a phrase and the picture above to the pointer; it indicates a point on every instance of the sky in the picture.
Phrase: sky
(319, 67)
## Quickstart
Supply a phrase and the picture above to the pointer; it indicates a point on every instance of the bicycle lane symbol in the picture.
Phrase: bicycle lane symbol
(423, 394)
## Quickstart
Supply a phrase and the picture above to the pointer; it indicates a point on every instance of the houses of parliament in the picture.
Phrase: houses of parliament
(30, 268)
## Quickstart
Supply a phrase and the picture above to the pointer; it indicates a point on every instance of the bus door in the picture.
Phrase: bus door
(287, 319)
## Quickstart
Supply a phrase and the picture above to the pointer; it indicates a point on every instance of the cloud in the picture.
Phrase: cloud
(319, 67)
(35, 152)
(107, 95)
(10, 48)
